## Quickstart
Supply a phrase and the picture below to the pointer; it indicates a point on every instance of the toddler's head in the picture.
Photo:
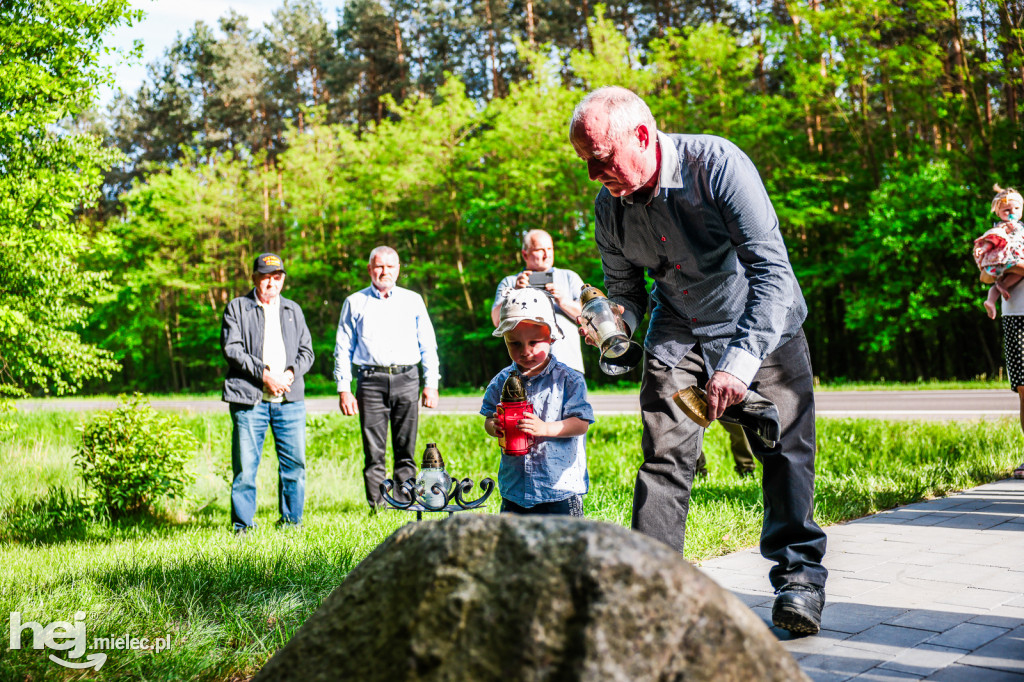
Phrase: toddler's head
(527, 321)
(1007, 204)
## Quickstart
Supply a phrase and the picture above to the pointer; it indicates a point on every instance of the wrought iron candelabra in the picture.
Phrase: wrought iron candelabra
(433, 490)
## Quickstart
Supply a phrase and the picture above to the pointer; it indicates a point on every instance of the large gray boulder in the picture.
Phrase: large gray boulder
(478, 597)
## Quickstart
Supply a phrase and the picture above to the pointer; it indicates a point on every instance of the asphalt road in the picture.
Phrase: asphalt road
(928, 405)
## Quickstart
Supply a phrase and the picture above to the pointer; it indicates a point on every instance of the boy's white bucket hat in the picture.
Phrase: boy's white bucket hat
(531, 305)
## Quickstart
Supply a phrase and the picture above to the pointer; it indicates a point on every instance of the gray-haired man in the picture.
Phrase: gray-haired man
(386, 333)
(691, 211)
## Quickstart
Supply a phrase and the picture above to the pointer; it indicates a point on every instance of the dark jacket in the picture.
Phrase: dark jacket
(241, 340)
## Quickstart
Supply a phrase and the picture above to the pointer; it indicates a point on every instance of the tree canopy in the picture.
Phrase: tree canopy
(439, 128)
(49, 73)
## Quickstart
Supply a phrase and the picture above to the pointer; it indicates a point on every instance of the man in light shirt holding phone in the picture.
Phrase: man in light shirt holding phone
(563, 288)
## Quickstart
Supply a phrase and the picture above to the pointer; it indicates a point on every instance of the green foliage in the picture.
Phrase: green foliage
(131, 456)
(441, 131)
(228, 606)
(49, 72)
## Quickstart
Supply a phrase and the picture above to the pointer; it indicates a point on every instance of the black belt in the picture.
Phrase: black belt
(388, 369)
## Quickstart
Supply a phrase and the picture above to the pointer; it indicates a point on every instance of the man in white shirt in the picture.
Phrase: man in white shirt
(268, 348)
(563, 286)
(385, 332)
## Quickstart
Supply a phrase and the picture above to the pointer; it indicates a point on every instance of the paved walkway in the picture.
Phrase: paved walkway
(933, 591)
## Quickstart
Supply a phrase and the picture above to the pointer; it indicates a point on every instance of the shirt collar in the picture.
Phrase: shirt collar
(273, 305)
(377, 293)
(545, 372)
(669, 175)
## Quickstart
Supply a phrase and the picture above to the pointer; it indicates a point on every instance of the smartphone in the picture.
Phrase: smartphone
(539, 279)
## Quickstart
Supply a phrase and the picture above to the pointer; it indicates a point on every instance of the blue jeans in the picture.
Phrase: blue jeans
(249, 424)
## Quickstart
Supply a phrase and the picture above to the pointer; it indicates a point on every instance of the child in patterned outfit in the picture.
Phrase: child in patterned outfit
(1002, 247)
(551, 477)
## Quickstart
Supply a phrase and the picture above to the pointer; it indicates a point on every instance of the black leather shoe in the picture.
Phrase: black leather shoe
(798, 608)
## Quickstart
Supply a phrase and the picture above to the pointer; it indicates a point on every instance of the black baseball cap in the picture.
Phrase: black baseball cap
(267, 263)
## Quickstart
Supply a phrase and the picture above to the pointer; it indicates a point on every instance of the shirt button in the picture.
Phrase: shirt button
(663, 238)
(693, 319)
(685, 292)
(678, 266)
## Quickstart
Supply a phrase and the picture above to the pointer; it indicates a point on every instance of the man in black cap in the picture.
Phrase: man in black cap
(267, 344)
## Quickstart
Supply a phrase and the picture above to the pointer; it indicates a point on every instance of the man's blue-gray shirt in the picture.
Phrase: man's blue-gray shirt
(710, 240)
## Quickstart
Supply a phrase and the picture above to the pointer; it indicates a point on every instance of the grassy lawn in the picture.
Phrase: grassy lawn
(228, 605)
(321, 388)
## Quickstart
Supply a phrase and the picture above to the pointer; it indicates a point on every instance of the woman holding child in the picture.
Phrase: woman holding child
(999, 254)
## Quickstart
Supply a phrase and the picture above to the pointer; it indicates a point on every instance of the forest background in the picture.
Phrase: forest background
(440, 128)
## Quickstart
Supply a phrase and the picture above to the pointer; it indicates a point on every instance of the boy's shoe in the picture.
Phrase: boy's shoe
(798, 608)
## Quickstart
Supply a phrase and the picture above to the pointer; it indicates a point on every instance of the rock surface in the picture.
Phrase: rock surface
(485, 597)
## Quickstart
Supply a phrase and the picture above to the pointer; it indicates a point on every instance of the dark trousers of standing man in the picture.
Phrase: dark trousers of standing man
(387, 396)
(672, 443)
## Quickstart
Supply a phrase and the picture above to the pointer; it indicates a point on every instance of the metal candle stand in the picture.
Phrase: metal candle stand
(409, 489)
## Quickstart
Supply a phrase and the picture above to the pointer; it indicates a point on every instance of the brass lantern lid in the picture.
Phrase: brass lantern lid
(514, 390)
(589, 293)
(432, 457)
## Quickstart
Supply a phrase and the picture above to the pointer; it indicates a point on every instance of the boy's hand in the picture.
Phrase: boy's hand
(534, 425)
(493, 426)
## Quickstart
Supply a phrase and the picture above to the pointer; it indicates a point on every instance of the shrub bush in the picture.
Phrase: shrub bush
(133, 455)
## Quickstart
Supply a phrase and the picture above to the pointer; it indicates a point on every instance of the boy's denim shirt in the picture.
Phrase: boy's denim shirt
(556, 468)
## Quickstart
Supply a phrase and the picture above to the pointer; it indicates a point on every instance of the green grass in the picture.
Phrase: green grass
(229, 605)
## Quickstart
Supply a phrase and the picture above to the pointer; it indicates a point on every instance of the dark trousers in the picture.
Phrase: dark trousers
(387, 399)
(672, 443)
(738, 445)
(572, 506)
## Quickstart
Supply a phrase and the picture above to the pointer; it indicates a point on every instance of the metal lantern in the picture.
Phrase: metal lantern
(434, 490)
(510, 410)
(433, 484)
(619, 353)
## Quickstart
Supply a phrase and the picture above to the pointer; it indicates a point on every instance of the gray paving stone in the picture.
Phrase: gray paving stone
(885, 519)
(1005, 653)
(752, 599)
(924, 659)
(967, 636)
(930, 619)
(1006, 557)
(977, 520)
(957, 548)
(970, 673)
(841, 659)
(1002, 617)
(849, 562)
(972, 596)
(888, 639)
(926, 557)
(798, 645)
(826, 676)
(912, 593)
(854, 618)
(955, 572)
(847, 586)
(1008, 507)
(881, 674)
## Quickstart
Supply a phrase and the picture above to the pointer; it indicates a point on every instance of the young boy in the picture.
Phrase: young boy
(551, 477)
